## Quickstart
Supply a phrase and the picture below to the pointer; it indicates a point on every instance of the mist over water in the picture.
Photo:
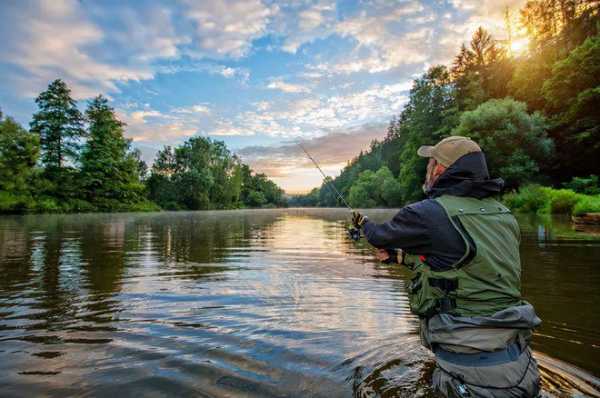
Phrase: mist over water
(264, 303)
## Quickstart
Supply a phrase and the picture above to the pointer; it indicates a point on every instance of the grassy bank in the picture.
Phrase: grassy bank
(545, 200)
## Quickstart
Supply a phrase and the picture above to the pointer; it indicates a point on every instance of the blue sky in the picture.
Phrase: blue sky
(258, 75)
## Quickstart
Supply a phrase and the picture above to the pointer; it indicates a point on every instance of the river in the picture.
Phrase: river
(252, 303)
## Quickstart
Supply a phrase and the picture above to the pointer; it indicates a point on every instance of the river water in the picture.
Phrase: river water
(256, 303)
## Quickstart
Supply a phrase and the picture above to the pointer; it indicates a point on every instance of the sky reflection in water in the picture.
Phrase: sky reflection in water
(266, 302)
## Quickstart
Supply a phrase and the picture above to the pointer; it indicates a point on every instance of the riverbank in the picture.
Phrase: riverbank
(544, 200)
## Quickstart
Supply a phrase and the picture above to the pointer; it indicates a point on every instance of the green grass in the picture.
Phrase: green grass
(545, 200)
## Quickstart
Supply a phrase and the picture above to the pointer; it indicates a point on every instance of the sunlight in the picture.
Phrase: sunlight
(519, 46)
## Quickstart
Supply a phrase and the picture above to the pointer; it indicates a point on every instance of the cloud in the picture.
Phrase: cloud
(227, 72)
(278, 84)
(48, 39)
(152, 126)
(228, 27)
(289, 166)
(300, 23)
(386, 36)
(314, 115)
(193, 109)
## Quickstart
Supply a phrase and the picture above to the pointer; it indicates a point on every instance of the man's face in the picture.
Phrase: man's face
(434, 170)
(429, 176)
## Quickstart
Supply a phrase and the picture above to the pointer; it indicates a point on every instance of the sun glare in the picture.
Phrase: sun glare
(519, 46)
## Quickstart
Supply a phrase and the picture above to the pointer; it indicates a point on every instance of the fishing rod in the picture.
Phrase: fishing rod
(353, 232)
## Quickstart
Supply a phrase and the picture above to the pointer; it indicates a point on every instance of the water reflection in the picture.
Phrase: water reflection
(268, 303)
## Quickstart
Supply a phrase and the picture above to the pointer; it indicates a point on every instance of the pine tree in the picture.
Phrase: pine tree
(109, 170)
(59, 124)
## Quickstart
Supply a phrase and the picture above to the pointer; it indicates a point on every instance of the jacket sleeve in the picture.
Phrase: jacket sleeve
(407, 230)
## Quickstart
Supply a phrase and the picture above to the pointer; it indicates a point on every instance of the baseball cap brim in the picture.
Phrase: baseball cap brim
(425, 151)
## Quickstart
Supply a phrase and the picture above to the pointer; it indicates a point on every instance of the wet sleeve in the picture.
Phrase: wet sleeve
(408, 230)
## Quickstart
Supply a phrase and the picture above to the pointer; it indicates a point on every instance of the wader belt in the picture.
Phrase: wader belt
(509, 354)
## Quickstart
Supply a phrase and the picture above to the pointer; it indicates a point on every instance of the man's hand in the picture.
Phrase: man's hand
(358, 219)
(389, 256)
(382, 255)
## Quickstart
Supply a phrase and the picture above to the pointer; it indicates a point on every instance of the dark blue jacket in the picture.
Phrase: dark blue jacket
(422, 228)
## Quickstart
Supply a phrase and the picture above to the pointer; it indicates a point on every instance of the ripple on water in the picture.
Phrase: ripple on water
(254, 303)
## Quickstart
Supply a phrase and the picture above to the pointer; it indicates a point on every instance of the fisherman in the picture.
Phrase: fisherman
(463, 247)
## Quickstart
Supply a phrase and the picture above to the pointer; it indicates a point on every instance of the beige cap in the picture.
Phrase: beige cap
(449, 150)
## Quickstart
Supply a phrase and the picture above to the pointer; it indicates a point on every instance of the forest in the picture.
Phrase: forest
(69, 161)
(535, 114)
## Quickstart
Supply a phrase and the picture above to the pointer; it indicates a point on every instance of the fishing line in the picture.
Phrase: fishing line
(354, 233)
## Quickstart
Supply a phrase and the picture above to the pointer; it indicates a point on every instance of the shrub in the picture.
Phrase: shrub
(587, 204)
(47, 205)
(586, 185)
(78, 206)
(562, 201)
(144, 206)
(530, 198)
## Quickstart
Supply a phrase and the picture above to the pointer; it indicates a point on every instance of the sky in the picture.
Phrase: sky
(259, 75)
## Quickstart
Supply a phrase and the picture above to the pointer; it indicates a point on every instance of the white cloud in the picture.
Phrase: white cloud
(51, 39)
(227, 72)
(278, 84)
(193, 109)
(227, 27)
(288, 165)
(152, 126)
(300, 24)
(312, 116)
(387, 36)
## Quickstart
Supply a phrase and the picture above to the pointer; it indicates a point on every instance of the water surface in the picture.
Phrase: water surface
(257, 303)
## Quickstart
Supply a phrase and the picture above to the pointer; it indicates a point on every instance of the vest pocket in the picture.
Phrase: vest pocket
(424, 299)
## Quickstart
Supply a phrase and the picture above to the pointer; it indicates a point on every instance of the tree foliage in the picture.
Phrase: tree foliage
(59, 124)
(203, 174)
(19, 152)
(556, 95)
(92, 166)
(110, 177)
(515, 142)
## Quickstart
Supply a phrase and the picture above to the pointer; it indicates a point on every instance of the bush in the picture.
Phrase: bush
(537, 199)
(587, 204)
(515, 142)
(530, 198)
(144, 206)
(586, 185)
(562, 201)
(78, 206)
(47, 205)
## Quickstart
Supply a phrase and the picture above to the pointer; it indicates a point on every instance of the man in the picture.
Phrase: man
(463, 247)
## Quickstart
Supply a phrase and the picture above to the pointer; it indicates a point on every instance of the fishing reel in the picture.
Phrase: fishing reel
(354, 233)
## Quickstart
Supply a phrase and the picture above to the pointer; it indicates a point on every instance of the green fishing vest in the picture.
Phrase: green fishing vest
(487, 278)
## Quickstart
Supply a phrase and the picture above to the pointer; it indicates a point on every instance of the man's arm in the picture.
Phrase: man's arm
(408, 230)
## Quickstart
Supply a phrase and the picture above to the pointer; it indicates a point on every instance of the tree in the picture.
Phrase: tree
(573, 96)
(109, 170)
(428, 116)
(203, 174)
(480, 71)
(19, 151)
(375, 189)
(59, 124)
(515, 142)
(159, 185)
